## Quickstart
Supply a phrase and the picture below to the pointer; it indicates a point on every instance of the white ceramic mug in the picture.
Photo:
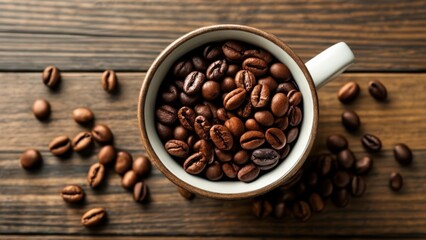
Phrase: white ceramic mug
(309, 77)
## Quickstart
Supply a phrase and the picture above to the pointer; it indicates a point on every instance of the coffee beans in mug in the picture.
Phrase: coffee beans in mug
(377, 90)
(395, 181)
(93, 217)
(109, 80)
(83, 115)
(72, 194)
(60, 145)
(348, 92)
(30, 159)
(402, 154)
(96, 175)
(371, 143)
(102, 134)
(51, 76)
(41, 109)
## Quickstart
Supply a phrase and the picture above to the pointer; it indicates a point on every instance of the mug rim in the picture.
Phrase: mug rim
(165, 54)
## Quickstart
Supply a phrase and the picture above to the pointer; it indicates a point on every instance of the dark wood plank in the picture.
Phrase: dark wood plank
(386, 35)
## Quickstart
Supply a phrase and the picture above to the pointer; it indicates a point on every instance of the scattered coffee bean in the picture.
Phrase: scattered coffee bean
(102, 134)
(279, 210)
(350, 120)
(185, 193)
(140, 192)
(262, 208)
(363, 165)
(141, 166)
(377, 90)
(41, 109)
(82, 141)
(107, 155)
(341, 179)
(93, 217)
(341, 198)
(395, 181)
(302, 211)
(358, 186)
(371, 143)
(30, 159)
(316, 202)
(60, 145)
(72, 194)
(326, 187)
(325, 164)
(336, 143)
(96, 175)
(348, 92)
(109, 80)
(123, 162)
(51, 76)
(130, 178)
(346, 159)
(83, 115)
(403, 154)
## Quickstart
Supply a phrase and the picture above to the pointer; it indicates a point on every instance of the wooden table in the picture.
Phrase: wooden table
(85, 37)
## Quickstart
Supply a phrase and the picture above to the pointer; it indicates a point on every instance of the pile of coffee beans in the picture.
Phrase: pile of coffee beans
(229, 111)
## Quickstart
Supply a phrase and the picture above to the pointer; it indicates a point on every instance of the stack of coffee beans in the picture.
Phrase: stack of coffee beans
(229, 111)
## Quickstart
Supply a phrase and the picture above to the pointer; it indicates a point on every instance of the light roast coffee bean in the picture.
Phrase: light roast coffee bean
(60, 145)
(93, 217)
(141, 165)
(41, 109)
(348, 92)
(72, 194)
(96, 175)
(83, 115)
(30, 159)
(279, 105)
(109, 81)
(51, 76)
(264, 118)
(235, 126)
(270, 82)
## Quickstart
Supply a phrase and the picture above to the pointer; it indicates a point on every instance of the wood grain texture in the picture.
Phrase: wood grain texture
(30, 201)
(386, 35)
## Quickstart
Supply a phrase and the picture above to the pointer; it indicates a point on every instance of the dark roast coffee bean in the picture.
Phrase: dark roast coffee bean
(248, 173)
(179, 84)
(193, 82)
(181, 133)
(195, 163)
(60, 145)
(245, 79)
(109, 80)
(72, 194)
(234, 99)
(217, 70)
(270, 82)
(281, 123)
(140, 192)
(245, 109)
(202, 127)
(285, 151)
(348, 92)
(311, 179)
(208, 151)
(186, 117)
(279, 104)
(203, 110)
(358, 186)
(51, 76)
(214, 171)
(241, 157)
(294, 97)
(279, 210)
(83, 115)
(264, 156)
(185, 193)
(227, 84)
(232, 70)
(395, 181)
(177, 148)
(286, 195)
(141, 166)
(270, 166)
(294, 116)
(377, 90)
(187, 100)
(276, 138)
(403, 154)
(300, 188)
(252, 139)
(261, 208)
(255, 65)
(260, 96)
(107, 155)
(212, 52)
(129, 179)
(233, 50)
(326, 187)
(302, 211)
(336, 143)
(292, 134)
(182, 68)
(341, 179)
(235, 126)
(258, 53)
(210, 90)
(221, 137)
(192, 140)
(230, 170)
(41, 109)
(363, 165)
(316, 202)
(169, 94)
(82, 141)
(325, 164)
(341, 198)
(285, 87)
(264, 118)
(252, 125)
(96, 175)
(93, 217)
(199, 63)
(123, 162)
(280, 71)
(102, 134)
(350, 120)
(371, 143)
(346, 159)
(164, 131)
(30, 159)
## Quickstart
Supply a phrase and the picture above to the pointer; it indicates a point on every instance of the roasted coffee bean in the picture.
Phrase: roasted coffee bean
(208, 151)
(107, 155)
(341, 198)
(83, 115)
(82, 141)
(186, 117)
(348, 92)
(294, 97)
(235, 126)
(187, 100)
(245, 79)
(300, 188)
(214, 171)
(276, 138)
(192, 140)
(165, 132)
(233, 50)
(41, 109)
(252, 125)
(212, 52)
(217, 70)
(241, 157)
(346, 159)
(325, 164)
(279, 104)
(202, 127)
(109, 80)
(177, 148)
(281, 123)
(102, 134)
(285, 151)
(255, 65)
(169, 94)
(181, 133)
(294, 116)
(195, 163)
(341, 179)
(123, 162)
(316, 202)
(140, 192)
(179, 84)
(270, 82)
(285, 87)
(182, 68)
(30, 159)
(260, 96)
(230, 170)
(222, 115)
(193, 82)
(210, 90)
(96, 175)
(232, 70)
(221, 137)
(51, 76)
(402, 154)
(245, 110)
(203, 110)
(258, 53)
(252, 139)
(185, 193)
(358, 186)
(279, 210)
(141, 166)
(199, 63)
(395, 181)
(302, 211)
(264, 118)
(264, 156)
(261, 208)
(197, 146)
(248, 173)
(371, 143)
(72, 194)
(227, 84)
(292, 134)
(336, 143)
(129, 179)
(377, 90)
(60, 145)
(363, 165)
(93, 217)
(311, 179)
(326, 187)
(280, 71)
(223, 156)
(350, 120)
(234, 99)
(270, 166)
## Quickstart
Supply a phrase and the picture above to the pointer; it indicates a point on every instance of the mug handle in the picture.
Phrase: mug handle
(330, 63)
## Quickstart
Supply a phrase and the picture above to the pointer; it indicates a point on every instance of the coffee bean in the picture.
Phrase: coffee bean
(109, 80)
(193, 82)
(270, 82)
(241, 157)
(280, 71)
(294, 97)
(233, 50)
(199, 63)
(221, 137)
(222, 156)
(358, 186)
(212, 52)
(348, 92)
(192, 140)
(402, 154)
(336, 143)
(210, 90)
(285, 87)
(311, 179)
(93, 217)
(235, 126)
(245, 110)
(164, 131)
(316, 202)
(326, 187)
(30, 159)
(301, 188)
(217, 70)
(83, 115)
(107, 155)
(264, 118)
(177, 148)
(60, 145)
(189, 100)
(166, 114)
(350, 120)
(395, 181)
(102, 134)
(96, 175)
(341, 198)
(227, 84)
(325, 164)
(208, 151)
(140, 192)
(169, 94)
(346, 159)
(222, 114)
(41, 109)
(123, 163)
(245, 79)
(270, 166)
(252, 125)
(203, 110)
(294, 116)
(51, 76)
(181, 133)
(341, 179)
(302, 211)
(186, 117)
(182, 68)
(276, 138)
(363, 165)
(252, 139)
(234, 99)
(72, 194)
(285, 151)
(262, 208)
(214, 171)
(82, 141)
(230, 170)
(258, 53)
(248, 173)
(255, 65)
(130, 178)
(185, 193)
(292, 134)
(377, 90)
(195, 163)
(260, 96)
(279, 104)
(202, 127)
(371, 143)
(141, 166)
(279, 210)
(232, 71)
(264, 156)
(281, 123)
(179, 84)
